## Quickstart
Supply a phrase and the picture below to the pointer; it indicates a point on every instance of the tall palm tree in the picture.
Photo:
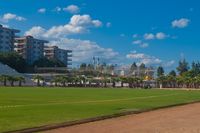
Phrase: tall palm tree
(161, 81)
(20, 80)
(38, 78)
(64, 80)
(123, 80)
(114, 80)
(12, 80)
(4, 79)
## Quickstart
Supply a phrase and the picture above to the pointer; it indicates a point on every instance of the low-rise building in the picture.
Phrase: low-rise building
(60, 54)
(30, 48)
(7, 36)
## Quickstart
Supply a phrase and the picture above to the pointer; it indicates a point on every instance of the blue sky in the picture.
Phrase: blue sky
(154, 32)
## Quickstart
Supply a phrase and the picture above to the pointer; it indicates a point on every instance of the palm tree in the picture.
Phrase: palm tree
(63, 80)
(105, 80)
(1, 79)
(161, 81)
(4, 79)
(38, 78)
(12, 80)
(21, 80)
(114, 80)
(180, 81)
(123, 80)
(171, 81)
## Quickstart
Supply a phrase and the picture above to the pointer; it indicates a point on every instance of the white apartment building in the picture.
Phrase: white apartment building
(7, 36)
(60, 54)
(30, 48)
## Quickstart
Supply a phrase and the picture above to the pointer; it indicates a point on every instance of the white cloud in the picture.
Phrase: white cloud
(143, 58)
(72, 9)
(77, 25)
(84, 50)
(9, 16)
(144, 45)
(137, 42)
(161, 35)
(42, 10)
(169, 63)
(181, 23)
(141, 43)
(149, 36)
(58, 9)
(36, 31)
(108, 24)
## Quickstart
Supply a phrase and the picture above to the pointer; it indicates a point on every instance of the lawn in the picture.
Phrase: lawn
(30, 107)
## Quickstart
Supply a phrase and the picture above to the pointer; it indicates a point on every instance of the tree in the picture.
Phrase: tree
(195, 68)
(160, 71)
(83, 66)
(161, 80)
(172, 73)
(90, 67)
(4, 79)
(44, 62)
(183, 67)
(13, 60)
(123, 80)
(133, 68)
(12, 80)
(38, 78)
(20, 80)
(142, 69)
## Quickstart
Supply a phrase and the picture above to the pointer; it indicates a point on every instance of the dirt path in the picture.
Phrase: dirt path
(183, 119)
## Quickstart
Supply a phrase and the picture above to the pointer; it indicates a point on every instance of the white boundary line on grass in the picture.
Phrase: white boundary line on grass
(96, 101)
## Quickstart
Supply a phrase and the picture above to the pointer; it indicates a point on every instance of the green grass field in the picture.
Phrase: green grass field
(30, 107)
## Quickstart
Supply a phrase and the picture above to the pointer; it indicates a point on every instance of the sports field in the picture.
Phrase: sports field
(30, 107)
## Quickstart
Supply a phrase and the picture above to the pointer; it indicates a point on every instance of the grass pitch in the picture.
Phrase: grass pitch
(27, 107)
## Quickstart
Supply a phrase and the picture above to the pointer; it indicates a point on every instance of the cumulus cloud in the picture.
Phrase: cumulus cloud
(141, 43)
(144, 45)
(58, 9)
(77, 25)
(143, 58)
(169, 63)
(180, 23)
(137, 42)
(9, 16)
(84, 50)
(42, 10)
(149, 36)
(152, 36)
(36, 31)
(161, 35)
(72, 9)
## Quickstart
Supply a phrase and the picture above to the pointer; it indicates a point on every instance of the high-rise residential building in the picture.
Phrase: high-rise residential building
(60, 54)
(29, 48)
(7, 36)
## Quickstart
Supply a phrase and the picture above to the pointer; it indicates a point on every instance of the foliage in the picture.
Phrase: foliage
(14, 60)
(183, 66)
(44, 62)
(160, 71)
